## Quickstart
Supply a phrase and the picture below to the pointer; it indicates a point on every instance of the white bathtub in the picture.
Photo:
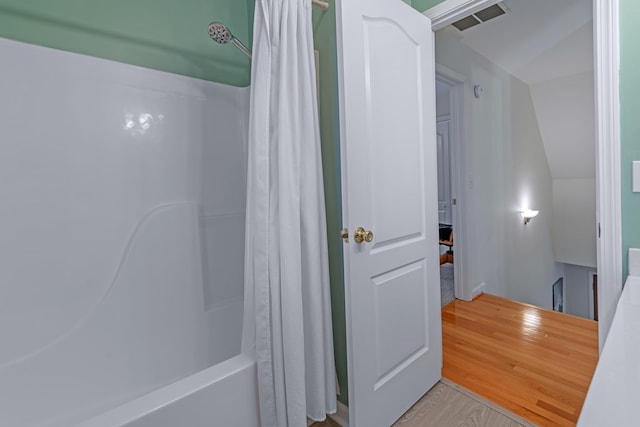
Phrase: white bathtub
(121, 276)
(223, 395)
(149, 354)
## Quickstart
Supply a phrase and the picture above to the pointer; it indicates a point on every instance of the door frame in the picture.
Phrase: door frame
(592, 275)
(440, 119)
(607, 119)
(459, 214)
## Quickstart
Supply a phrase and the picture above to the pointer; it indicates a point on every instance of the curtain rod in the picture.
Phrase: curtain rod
(321, 4)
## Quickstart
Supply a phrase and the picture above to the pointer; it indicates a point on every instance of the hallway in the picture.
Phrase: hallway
(534, 362)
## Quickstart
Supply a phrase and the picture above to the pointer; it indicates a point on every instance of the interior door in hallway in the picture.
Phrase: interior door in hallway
(444, 172)
(389, 187)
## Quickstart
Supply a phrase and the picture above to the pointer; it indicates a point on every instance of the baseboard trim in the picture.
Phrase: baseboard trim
(478, 290)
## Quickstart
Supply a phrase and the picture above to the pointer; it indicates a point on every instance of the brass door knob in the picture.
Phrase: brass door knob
(344, 233)
(361, 235)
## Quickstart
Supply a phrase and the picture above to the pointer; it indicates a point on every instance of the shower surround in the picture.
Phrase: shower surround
(123, 195)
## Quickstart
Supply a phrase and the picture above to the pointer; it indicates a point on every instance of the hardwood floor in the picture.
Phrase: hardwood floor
(533, 362)
(326, 423)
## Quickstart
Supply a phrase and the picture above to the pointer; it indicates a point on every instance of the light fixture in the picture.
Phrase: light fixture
(527, 215)
(478, 91)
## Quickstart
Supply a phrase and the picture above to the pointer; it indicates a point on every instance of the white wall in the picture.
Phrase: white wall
(443, 99)
(506, 168)
(530, 266)
(578, 299)
(565, 111)
(574, 221)
(103, 182)
(485, 171)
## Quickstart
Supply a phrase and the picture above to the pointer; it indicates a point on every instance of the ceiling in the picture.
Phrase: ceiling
(537, 40)
(548, 44)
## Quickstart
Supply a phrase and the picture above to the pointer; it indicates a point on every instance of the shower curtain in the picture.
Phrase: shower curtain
(287, 323)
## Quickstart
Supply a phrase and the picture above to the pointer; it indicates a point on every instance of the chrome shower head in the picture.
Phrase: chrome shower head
(221, 34)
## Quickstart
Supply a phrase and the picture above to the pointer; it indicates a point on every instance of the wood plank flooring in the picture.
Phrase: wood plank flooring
(533, 362)
(326, 423)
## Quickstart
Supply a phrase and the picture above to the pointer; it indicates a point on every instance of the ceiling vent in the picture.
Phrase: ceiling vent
(481, 16)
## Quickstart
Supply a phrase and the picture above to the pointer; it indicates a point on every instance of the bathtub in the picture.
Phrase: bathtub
(149, 353)
(121, 276)
(223, 395)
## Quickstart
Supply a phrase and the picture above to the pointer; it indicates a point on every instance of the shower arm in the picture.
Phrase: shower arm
(237, 43)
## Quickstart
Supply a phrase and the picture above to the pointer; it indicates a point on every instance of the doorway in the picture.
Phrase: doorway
(452, 191)
(445, 197)
(507, 170)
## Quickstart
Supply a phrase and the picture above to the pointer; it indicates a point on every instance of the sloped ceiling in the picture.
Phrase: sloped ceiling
(532, 33)
(548, 44)
(569, 56)
(565, 111)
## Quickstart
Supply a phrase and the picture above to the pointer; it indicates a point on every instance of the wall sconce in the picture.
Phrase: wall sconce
(527, 215)
(478, 91)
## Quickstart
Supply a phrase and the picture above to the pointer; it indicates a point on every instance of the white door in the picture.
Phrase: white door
(444, 173)
(389, 187)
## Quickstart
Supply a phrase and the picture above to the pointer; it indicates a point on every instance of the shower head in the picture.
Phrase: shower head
(221, 34)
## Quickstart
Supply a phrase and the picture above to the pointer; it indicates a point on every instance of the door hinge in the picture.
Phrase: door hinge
(599, 230)
(454, 202)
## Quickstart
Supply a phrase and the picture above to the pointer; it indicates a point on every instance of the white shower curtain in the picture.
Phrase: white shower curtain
(287, 323)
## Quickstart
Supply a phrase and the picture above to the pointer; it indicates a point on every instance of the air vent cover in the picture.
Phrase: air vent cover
(481, 16)
(467, 22)
(490, 13)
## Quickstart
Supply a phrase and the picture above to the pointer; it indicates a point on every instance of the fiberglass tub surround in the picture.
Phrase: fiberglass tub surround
(123, 191)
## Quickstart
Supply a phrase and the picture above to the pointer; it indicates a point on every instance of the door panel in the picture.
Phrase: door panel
(394, 216)
(389, 178)
(399, 287)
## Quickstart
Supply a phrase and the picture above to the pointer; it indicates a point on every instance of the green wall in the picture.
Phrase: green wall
(164, 35)
(422, 5)
(324, 34)
(629, 123)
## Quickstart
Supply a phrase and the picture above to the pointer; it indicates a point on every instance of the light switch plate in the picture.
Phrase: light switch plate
(636, 177)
